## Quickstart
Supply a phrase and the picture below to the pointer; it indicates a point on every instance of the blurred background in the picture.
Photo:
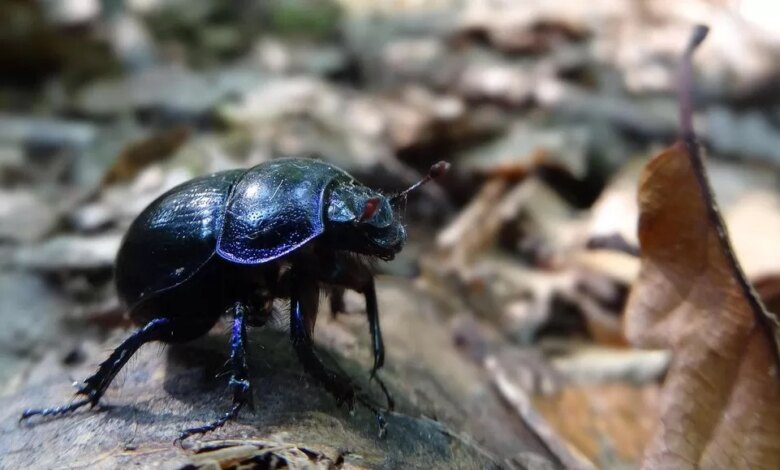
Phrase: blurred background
(503, 313)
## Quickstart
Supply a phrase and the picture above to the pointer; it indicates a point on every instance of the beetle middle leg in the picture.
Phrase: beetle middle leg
(239, 379)
(95, 386)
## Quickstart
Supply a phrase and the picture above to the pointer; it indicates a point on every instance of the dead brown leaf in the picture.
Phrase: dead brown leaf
(603, 419)
(720, 406)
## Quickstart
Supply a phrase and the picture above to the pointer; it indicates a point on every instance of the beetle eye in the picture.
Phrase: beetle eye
(369, 209)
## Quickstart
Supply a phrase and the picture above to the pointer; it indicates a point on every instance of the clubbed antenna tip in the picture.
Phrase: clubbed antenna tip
(436, 171)
(439, 169)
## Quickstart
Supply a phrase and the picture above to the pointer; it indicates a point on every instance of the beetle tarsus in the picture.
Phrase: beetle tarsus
(380, 416)
(229, 416)
(54, 411)
(239, 380)
(386, 392)
(95, 385)
(382, 424)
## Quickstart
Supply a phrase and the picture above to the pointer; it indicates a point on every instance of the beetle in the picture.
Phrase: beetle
(232, 242)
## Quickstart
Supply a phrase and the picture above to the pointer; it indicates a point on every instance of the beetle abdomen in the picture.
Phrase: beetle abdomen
(173, 237)
(275, 208)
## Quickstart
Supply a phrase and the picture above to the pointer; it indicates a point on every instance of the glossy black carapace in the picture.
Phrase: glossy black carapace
(234, 241)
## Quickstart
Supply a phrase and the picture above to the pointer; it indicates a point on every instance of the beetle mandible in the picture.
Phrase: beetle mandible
(232, 242)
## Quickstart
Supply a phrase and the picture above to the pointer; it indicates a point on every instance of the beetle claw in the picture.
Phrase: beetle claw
(382, 423)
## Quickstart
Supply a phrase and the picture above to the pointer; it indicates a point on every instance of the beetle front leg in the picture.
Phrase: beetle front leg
(95, 386)
(239, 379)
(351, 273)
(303, 311)
(372, 311)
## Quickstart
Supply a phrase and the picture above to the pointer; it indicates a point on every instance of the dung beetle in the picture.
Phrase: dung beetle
(232, 242)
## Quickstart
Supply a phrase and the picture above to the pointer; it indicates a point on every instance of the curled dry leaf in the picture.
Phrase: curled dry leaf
(720, 407)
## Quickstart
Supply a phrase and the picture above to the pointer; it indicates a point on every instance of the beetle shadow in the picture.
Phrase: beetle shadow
(197, 374)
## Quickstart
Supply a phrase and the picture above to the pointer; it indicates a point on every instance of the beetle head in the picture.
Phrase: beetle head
(363, 220)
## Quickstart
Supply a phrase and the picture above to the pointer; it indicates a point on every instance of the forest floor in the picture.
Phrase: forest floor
(517, 316)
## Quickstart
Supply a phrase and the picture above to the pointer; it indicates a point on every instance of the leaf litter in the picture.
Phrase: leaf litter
(507, 347)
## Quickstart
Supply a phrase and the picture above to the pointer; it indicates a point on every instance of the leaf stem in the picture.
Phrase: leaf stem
(685, 83)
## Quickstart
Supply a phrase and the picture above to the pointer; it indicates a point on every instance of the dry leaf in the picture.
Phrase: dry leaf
(720, 406)
(611, 421)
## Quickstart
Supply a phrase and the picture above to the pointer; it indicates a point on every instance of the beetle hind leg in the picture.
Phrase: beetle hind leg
(239, 380)
(95, 386)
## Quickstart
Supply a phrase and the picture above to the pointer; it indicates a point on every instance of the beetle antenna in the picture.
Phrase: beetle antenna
(436, 171)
